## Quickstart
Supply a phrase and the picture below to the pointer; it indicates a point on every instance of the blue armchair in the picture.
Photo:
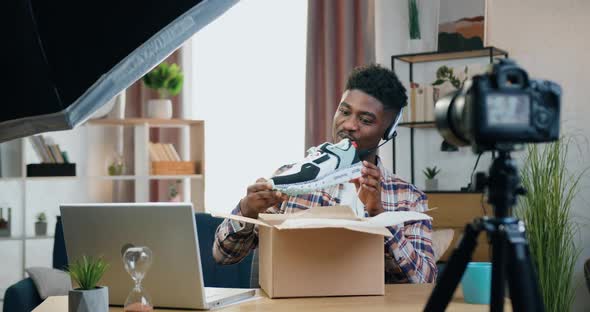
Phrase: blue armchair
(23, 296)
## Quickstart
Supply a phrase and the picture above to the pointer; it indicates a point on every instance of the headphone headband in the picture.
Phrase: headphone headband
(390, 132)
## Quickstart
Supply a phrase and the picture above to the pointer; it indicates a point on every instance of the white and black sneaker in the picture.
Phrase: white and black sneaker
(326, 165)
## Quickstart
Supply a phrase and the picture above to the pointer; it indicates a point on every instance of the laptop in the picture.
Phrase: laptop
(175, 278)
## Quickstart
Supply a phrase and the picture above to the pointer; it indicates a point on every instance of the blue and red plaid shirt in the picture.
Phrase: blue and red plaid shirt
(409, 257)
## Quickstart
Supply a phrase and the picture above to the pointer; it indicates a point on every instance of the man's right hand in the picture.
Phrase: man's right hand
(259, 197)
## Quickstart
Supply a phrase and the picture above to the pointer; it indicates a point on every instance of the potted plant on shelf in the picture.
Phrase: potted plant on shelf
(41, 224)
(5, 223)
(167, 80)
(551, 230)
(173, 193)
(431, 181)
(88, 297)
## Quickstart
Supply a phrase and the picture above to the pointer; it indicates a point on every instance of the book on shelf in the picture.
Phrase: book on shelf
(163, 152)
(46, 150)
(172, 151)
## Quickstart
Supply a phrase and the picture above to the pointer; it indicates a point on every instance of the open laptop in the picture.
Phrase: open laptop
(174, 280)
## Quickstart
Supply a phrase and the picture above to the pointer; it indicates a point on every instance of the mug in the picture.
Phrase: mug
(477, 282)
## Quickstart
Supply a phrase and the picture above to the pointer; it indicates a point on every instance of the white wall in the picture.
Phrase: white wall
(550, 40)
(248, 70)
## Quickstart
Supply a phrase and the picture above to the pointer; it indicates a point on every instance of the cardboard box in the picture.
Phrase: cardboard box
(323, 251)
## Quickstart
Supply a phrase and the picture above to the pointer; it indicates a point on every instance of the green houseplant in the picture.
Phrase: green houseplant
(41, 224)
(431, 182)
(167, 80)
(545, 210)
(86, 273)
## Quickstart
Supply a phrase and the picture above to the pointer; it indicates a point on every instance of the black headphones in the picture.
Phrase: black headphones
(390, 132)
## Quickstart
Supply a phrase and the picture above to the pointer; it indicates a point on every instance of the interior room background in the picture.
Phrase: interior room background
(245, 76)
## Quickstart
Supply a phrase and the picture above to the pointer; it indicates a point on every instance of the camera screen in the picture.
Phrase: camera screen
(506, 109)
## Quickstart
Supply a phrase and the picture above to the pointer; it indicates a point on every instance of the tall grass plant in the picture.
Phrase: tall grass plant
(551, 232)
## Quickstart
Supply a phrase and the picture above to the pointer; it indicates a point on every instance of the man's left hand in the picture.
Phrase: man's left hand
(368, 186)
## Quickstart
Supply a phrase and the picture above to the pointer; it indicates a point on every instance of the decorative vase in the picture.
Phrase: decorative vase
(94, 300)
(40, 228)
(159, 108)
(416, 46)
(431, 184)
(118, 111)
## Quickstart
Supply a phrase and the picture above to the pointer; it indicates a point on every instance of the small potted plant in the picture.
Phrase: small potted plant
(167, 80)
(41, 224)
(88, 297)
(173, 193)
(5, 223)
(431, 181)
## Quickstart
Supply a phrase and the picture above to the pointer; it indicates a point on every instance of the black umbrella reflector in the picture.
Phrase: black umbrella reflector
(79, 54)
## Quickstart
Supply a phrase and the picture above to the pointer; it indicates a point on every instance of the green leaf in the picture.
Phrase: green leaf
(166, 79)
(438, 82)
(87, 272)
(551, 230)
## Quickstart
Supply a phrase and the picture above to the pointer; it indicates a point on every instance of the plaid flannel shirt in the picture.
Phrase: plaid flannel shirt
(409, 257)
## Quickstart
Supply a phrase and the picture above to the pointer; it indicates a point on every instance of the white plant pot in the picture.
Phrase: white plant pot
(431, 184)
(160, 108)
(94, 300)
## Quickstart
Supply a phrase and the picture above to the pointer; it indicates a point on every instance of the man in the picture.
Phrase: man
(371, 102)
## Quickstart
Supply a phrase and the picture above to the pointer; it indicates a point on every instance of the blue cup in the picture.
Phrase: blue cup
(477, 282)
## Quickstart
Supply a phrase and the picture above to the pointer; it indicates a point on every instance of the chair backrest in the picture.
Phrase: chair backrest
(217, 275)
(214, 275)
(60, 257)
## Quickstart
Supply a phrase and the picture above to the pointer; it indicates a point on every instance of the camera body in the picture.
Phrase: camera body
(501, 108)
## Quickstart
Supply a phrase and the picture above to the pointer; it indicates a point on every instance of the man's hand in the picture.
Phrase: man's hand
(259, 197)
(368, 186)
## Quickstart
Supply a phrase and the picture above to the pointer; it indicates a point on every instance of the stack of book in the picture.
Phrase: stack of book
(47, 151)
(54, 162)
(163, 152)
(421, 103)
(165, 160)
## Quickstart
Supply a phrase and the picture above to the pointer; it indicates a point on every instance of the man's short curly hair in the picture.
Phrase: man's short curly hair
(380, 83)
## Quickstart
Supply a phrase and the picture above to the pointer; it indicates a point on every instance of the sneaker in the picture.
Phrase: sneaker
(326, 165)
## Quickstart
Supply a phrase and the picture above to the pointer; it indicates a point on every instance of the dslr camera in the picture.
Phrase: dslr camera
(499, 109)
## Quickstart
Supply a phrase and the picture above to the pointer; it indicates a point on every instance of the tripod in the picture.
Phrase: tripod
(510, 252)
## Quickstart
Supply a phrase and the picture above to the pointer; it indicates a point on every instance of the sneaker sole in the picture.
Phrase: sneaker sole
(336, 177)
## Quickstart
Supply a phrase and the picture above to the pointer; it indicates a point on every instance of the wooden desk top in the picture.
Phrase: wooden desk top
(401, 297)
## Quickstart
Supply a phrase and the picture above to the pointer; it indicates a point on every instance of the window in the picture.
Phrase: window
(248, 84)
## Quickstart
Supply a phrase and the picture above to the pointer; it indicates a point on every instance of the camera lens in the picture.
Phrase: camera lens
(450, 116)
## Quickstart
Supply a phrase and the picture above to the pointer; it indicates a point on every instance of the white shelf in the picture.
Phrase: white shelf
(9, 179)
(174, 177)
(20, 238)
(115, 178)
(51, 178)
(150, 177)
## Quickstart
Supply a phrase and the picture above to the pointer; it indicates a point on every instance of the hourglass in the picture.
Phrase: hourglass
(137, 262)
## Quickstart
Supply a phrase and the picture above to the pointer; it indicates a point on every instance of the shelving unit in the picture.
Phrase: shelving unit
(89, 146)
(417, 58)
(191, 149)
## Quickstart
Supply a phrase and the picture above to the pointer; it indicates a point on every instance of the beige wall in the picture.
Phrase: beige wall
(551, 40)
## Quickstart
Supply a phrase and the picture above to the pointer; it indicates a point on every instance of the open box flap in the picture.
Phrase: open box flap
(332, 217)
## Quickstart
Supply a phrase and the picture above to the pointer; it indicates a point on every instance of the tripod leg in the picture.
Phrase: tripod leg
(445, 288)
(498, 271)
(522, 278)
